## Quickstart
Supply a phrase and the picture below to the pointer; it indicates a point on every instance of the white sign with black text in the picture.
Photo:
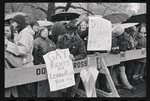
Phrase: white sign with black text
(99, 37)
(59, 69)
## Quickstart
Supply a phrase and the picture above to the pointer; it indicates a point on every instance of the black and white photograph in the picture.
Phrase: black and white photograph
(75, 49)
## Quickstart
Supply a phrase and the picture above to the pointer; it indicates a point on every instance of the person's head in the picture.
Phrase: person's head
(9, 31)
(142, 31)
(83, 25)
(118, 32)
(58, 30)
(34, 25)
(131, 30)
(43, 32)
(18, 22)
(70, 30)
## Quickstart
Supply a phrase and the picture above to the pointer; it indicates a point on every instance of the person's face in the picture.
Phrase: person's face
(143, 30)
(35, 28)
(14, 24)
(44, 33)
(7, 32)
(83, 26)
(70, 35)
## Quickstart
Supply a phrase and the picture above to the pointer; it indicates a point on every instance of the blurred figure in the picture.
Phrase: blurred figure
(120, 44)
(83, 31)
(130, 34)
(140, 64)
(43, 45)
(10, 36)
(58, 30)
(23, 46)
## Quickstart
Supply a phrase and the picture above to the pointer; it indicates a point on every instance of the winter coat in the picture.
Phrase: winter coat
(41, 47)
(76, 46)
(23, 46)
(141, 44)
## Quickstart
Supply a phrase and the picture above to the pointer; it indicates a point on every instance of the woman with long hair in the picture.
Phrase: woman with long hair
(43, 45)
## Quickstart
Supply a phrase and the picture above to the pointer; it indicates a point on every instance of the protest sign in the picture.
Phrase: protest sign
(99, 37)
(59, 69)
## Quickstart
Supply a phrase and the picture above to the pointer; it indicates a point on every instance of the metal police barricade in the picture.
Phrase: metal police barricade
(20, 76)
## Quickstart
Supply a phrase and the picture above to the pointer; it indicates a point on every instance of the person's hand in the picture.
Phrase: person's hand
(71, 57)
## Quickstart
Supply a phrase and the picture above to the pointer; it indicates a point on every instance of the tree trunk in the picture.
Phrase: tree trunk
(51, 10)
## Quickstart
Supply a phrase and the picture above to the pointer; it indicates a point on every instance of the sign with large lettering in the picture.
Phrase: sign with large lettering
(59, 69)
(99, 37)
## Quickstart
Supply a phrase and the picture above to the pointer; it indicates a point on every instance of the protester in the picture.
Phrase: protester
(75, 44)
(83, 31)
(130, 34)
(11, 91)
(140, 63)
(23, 46)
(43, 45)
(72, 41)
(119, 40)
(9, 32)
(58, 30)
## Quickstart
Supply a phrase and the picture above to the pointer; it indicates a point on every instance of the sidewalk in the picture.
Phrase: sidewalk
(140, 91)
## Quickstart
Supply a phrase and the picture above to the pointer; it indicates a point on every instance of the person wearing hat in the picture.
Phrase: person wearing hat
(23, 46)
(75, 44)
(72, 41)
(120, 44)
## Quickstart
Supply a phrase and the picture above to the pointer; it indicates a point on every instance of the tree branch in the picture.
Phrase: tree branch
(12, 8)
(59, 7)
(22, 7)
(45, 11)
(18, 6)
(82, 9)
(67, 7)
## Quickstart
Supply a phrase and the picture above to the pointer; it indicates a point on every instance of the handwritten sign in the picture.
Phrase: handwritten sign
(99, 37)
(59, 69)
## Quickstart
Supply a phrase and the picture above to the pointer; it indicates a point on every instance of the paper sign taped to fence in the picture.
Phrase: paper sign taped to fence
(59, 69)
(99, 37)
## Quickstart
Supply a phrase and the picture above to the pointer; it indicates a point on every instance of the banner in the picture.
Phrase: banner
(59, 69)
(100, 31)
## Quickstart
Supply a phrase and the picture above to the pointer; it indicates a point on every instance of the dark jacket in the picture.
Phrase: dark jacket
(42, 47)
(141, 44)
(76, 46)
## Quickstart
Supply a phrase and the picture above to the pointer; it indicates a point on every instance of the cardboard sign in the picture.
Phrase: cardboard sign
(99, 37)
(59, 69)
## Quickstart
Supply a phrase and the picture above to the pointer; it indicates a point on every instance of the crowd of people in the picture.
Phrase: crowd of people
(30, 42)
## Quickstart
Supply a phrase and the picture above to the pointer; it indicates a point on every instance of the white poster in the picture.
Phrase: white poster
(99, 37)
(59, 69)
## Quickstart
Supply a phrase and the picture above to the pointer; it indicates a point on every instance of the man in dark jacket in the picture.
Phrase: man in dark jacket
(72, 41)
(76, 47)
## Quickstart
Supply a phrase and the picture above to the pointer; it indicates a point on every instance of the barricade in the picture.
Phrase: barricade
(20, 76)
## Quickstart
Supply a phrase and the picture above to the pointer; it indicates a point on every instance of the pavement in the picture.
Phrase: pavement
(140, 91)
